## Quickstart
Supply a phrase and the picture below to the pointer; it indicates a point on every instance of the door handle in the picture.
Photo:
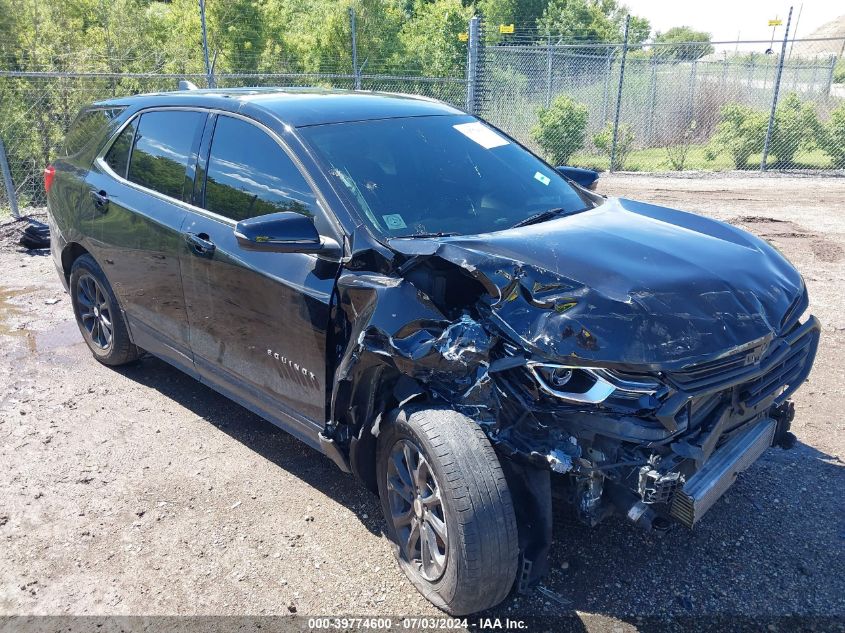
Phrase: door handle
(200, 244)
(101, 200)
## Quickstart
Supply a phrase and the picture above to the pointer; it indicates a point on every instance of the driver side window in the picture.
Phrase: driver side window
(250, 175)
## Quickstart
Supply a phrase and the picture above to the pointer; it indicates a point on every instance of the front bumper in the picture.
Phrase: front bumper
(676, 461)
(758, 376)
(728, 413)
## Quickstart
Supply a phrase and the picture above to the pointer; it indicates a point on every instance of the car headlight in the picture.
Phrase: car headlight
(591, 385)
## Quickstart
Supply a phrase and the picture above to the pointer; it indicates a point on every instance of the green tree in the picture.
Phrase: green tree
(624, 142)
(430, 37)
(796, 127)
(237, 33)
(319, 35)
(521, 13)
(561, 129)
(839, 72)
(832, 137)
(682, 43)
(741, 132)
(591, 21)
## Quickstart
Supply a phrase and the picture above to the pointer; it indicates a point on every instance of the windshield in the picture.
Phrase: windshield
(439, 175)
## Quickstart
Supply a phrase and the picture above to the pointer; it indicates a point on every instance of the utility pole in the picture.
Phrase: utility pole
(208, 72)
(355, 73)
(548, 70)
(775, 95)
(619, 95)
(473, 45)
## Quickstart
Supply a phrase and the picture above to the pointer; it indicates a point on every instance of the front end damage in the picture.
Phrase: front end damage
(622, 394)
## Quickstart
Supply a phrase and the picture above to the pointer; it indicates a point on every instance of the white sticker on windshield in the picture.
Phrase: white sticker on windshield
(481, 134)
(544, 179)
(394, 221)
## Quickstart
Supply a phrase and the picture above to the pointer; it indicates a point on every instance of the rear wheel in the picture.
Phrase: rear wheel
(98, 315)
(448, 509)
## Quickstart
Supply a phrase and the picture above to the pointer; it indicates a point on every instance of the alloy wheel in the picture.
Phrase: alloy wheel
(94, 311)
(416, 510)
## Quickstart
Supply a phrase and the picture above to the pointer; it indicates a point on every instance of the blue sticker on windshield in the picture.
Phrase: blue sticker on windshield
(394, 221)
(544, 179)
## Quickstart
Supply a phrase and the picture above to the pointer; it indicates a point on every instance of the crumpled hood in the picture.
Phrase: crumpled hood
(627, 283)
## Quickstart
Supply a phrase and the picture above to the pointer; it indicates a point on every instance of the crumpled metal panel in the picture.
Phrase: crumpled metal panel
(627, 283)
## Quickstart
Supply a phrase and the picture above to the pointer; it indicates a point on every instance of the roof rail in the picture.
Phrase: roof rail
(184, 84)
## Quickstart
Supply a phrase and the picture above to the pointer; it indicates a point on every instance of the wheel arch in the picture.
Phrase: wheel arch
(369, 404)
(70, 253)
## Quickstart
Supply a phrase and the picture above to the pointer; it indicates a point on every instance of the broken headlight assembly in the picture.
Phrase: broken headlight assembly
(595, 385)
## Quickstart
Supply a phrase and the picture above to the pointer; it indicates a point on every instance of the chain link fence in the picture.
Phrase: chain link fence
(604, 105)
(664, 107)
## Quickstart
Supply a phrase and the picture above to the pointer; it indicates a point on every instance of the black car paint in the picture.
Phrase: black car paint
(325, 346)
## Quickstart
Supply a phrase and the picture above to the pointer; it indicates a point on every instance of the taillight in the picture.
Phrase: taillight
(49, 172)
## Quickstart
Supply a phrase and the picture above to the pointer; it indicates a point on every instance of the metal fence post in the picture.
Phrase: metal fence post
(775, 95)
(812, 88)
(751, 71)
(209, 74)
(652, 99)
(619, 96)
(355, 73)
(11, 194)
(829, 84)
(548, 71)
(606, 95)
(472, 64)
(693, 78)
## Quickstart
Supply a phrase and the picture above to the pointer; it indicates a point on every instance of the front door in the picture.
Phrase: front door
(138, 190)
(258, 320)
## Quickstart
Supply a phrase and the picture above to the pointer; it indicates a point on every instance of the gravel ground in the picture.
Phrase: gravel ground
(140, 491)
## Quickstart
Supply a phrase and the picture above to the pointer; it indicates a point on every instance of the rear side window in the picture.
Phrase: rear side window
(249, 174)
(87, 128)
(165, 144)
(118, 155)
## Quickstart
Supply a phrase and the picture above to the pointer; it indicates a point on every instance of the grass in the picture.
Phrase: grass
(656, 159)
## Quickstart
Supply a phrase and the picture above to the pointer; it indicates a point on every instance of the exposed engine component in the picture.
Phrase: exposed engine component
(589, 497)
(559, 461)
(706, 486)
(657, 487)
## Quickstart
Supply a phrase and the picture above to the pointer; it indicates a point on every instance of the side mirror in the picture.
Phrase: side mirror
(284, 232)
(587, 178)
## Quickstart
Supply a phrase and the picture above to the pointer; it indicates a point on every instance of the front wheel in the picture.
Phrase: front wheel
(448, 509)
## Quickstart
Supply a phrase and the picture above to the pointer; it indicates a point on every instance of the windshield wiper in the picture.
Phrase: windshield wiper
(548, 214)
(423, 235)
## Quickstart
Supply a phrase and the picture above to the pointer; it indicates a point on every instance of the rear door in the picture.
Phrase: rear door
(139, 189)
(258, 320)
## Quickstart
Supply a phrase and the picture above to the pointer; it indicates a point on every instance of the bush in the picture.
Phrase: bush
(561, 129)
(839, 72)
(741, 132)
(624, 142)
(678, 151)
(832, 137)
(796, 126)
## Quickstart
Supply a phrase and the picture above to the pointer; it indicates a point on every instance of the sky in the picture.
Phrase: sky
(723, 19)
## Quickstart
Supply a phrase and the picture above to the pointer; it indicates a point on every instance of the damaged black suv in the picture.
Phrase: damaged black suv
(411, 292)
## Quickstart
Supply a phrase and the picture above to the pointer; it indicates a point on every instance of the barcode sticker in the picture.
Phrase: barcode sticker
(481, 134)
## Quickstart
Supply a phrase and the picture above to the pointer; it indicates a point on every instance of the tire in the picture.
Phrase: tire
(95, 307)
(480, 545)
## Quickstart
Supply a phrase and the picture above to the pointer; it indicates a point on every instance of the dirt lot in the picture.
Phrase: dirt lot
(140, 491)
